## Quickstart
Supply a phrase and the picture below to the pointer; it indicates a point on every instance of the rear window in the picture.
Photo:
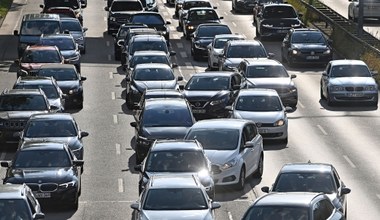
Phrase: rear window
(148, 19)
(74, 4)
(279, 12)
(126, 6)
(36, 28)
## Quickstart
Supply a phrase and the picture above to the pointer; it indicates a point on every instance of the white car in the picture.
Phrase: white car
(216, 47)
(234, 147)
(371, 9)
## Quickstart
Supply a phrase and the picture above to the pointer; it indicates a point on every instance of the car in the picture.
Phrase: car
(35, 56)
(158, 93)
(68, 80)
(119, 12)
(73, 27)
(173, 157)
(57, 127)
(210, 92)
(153, 20)
(270, 74)
(149, 76)
(31, 28)
(370, 9)
(243, 5)
(64, 12)
(234, 147)
(275, 20)
(306, 46)
(312, 177)
(18, 202)
(187, 4)
(258, 6)
(167, 197)
(295, 205)
(66, 45)
(75, 5)
(264, 107)
(196, 16)
(168, 118)
(203, 36)
(120, 35)
(236, 51)
(215, 48)
(348, 81)
(48, 84)
(150, 5)
(16, 106)
(59, 172)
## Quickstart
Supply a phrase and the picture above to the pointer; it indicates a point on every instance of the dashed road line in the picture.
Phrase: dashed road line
(300, 104)
(118, 149)
(107, 43)
(113, 95)
(105, 18)
(115, 119)
(230, 215)
(183, 54)
(120, 185)
(234, 24)
(111, 75)
(378, 196)
(349, 161)
(180, 72)
(322, 130)
(225, 13)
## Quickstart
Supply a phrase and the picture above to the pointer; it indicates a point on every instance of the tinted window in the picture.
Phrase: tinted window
(258, 103)
(308, 38)
(50, 91)
(245, 51)
(279, 12)
(41, 158)
(208, 83)
(74, 4)
(211, 31)
(215, 139)
(149, 45)
(126, 6)
(192, 4)
(148, 19)
(71, 25)
(153, 74)
(23, 103)
(202, 15)
(220, 42)
(50, 128)
(41, 56)
(14, 209)
(167, 116)
(61, 43)
(266, 71)
(350, 71)
(305, 182)
(148, 59)
(40, 27)
(276, 213)
(60, 74)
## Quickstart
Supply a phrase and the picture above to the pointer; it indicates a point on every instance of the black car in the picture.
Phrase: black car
(243, 5)
(197, 16)
(59, 127)
(152, 20)
(275, 20)
(49, 169)
(75, 5)
(168, 118)
(119, 13)
(188, 4)
(120, 35)
(68, 79)
(203, 36)
(158, 93)
(306, 46)
(259, 4)
(210, 92)
(149, 76)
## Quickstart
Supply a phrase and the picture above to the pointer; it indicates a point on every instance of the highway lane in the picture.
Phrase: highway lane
(343, 136)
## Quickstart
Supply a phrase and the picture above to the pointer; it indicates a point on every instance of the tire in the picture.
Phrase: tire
(241, 183)
(328, 100)
(260, 169)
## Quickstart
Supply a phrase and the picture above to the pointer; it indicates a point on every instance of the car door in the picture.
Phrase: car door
(325, 79)
(253, 143)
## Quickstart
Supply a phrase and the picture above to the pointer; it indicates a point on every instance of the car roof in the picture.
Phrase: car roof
(41, 16)
(174, 181)
(244, 42)
(347, 62)
(197, 1)
(201, 9)
(162, 103)
(146, 13)
(301, 199)
(213, 24)
(152, 65)
(163, 91)
(41, 47)
(57, 36)
(305, 30)
(229, 36)
(69, 19)
(57, 66)
(278, 4)
(307, 168)
(52, 116)
(149, 53)
(47, 145)
(34, 80)
(213, 73)
(23, 92)
(148, 37)
(222, 123)
(143, 30)
(258, 91)
(12, 191)
(262, 62)
(168, 145)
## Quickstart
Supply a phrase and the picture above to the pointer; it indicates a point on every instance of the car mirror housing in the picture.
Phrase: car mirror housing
(324, 73)
(228, 108)
(235, 87)
(138, 168)
(181, 87)
(5, 163)
(106, 8)
(293, 76)
(265, 189)
(172, 53)
(41, 6)
(248, 144)
(271, 55)
(133, 124)
(135, 206)
(174, 65)
(38, 216)
(84, 134)
(345, 191)
(215, 205)
(180, 78)
(288, 109)
(83, 78)
(15, 32)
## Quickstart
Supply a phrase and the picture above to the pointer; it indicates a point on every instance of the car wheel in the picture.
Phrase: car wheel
(241, 183)
(260, 167)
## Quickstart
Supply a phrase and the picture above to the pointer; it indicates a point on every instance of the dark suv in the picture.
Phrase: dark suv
(16, 106)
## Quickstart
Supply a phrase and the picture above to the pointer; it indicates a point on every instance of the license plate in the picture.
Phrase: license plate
(199, 111)
(355, 94)
(263, 131)
(42, 195)
(312, 57)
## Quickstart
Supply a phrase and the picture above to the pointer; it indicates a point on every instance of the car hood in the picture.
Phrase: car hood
(55, 102)
(35, 175)
(194, 95)
(198, 22)
(260, 117)
(204, 42)
(220, 156)
(123, 13)
(76, 34)
(271, 82)
(353, 81)
(67, 85)
(164, 84)
(233, 62)
(18, 114)
(307, 46)
(68, 53)
(173, 214)
(163, 132)
(158, 27)
(70, 141)
(281, 22)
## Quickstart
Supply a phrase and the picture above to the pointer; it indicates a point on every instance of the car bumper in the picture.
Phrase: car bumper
(354, 96)
(273, 32)
(227, 177)
(215, 112)
(74, 99)
(289, 99)
(10, 135)
(274, 133)
(308, 58)
(200, 51)
(60, 195)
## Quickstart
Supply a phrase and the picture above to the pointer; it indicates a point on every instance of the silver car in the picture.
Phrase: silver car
(264, 107)
(234, 147)
(371, 9)
(174, 197)
(348, 81)
(73, 26)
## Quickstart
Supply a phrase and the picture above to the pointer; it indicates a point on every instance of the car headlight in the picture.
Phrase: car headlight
(370, 88)
(267, 25)
(179, 6)
(295, 25)
(328, 51)
(72, 91)
(218, 102)
(280, 122)
(293, 89)
(337, 88)
(294, 52)
(197, 45)
(134, 90)
(1, 123)
(190, 27)
(68, 184)
(229, 164)
(80, 38)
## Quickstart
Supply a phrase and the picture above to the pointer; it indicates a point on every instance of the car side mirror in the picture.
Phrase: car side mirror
(181, 87)
(174, 65)
(180, 78)
(54, 108)
(215, 205)
(221, 18)
(221, 55)
(135, 206)
(138, 167)
(85, 29)
(5, 163)
(248, 144)
(209, 46)
(84, 134)
(128, 79)
(300, 15)
(133, 124)
(192, 35)
(270, 55)
(83, 78)
(345, 191)
(285, 41)
(374, 73)
(172, 53)
(228, 108)
(215, 7)
(106, 8)
(329, 41)
(38, 216)
(78, 163)
(168, 22)
(265, 189)
(17, 61)
(292, 76)
(15, 33)
(288, 109)
(235, 87)
(324, 74)
(42, 6)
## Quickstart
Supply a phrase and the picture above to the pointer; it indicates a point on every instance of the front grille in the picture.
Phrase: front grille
(43, 187)
(260, 125)
(215, 169)
(312, 52)
(352, 88)
(198, 104)
(15, 124)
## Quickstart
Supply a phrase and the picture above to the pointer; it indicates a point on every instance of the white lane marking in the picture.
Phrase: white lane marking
(225, 13)
(109, 57)
(230, 215)
(19, 17)
(113, 95)
(120, 185)
(183, 54)
(115, 119)
(244, 36)
(175, 36)
(234, 24)
(111, 75)
(107, 43)
(322, 130)
(300, 104)
(349, 161)
(2, 156)
(118, 149)
(180, 72)
(105, 18)
(378, 196)
(180, 45)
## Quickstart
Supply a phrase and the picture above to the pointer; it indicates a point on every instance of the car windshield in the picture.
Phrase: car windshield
(149, 45)
(197, 15)
(308, 38)
(192, 4)
(23, 103)
(215, 139)
(279, 12)
(67, 74)
(211, 30)
(36, 28)
(14, 209)
(167, 116)
(61, 43)
(126, 6)
(148, 19)
(208, 83)
(74, 4)
(41, 158)
(71, 25)
(266, 71)
(277, 212)
(148, 59)
(220, 42)
(153, 74)
(50, 91)
(175, 161)
(350, 71)
(50, 128)
(246, 51)
(175, 199)
(41, 56)
(258, 103)
(305, 182)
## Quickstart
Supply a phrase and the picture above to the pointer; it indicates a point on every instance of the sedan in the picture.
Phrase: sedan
(49, 169)
(348, 81)
(234, 147)
(187, 4)
(152, 20)
(120, 35)
(264, 107)
(197, 16)
(77, 31)
(312, 177)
